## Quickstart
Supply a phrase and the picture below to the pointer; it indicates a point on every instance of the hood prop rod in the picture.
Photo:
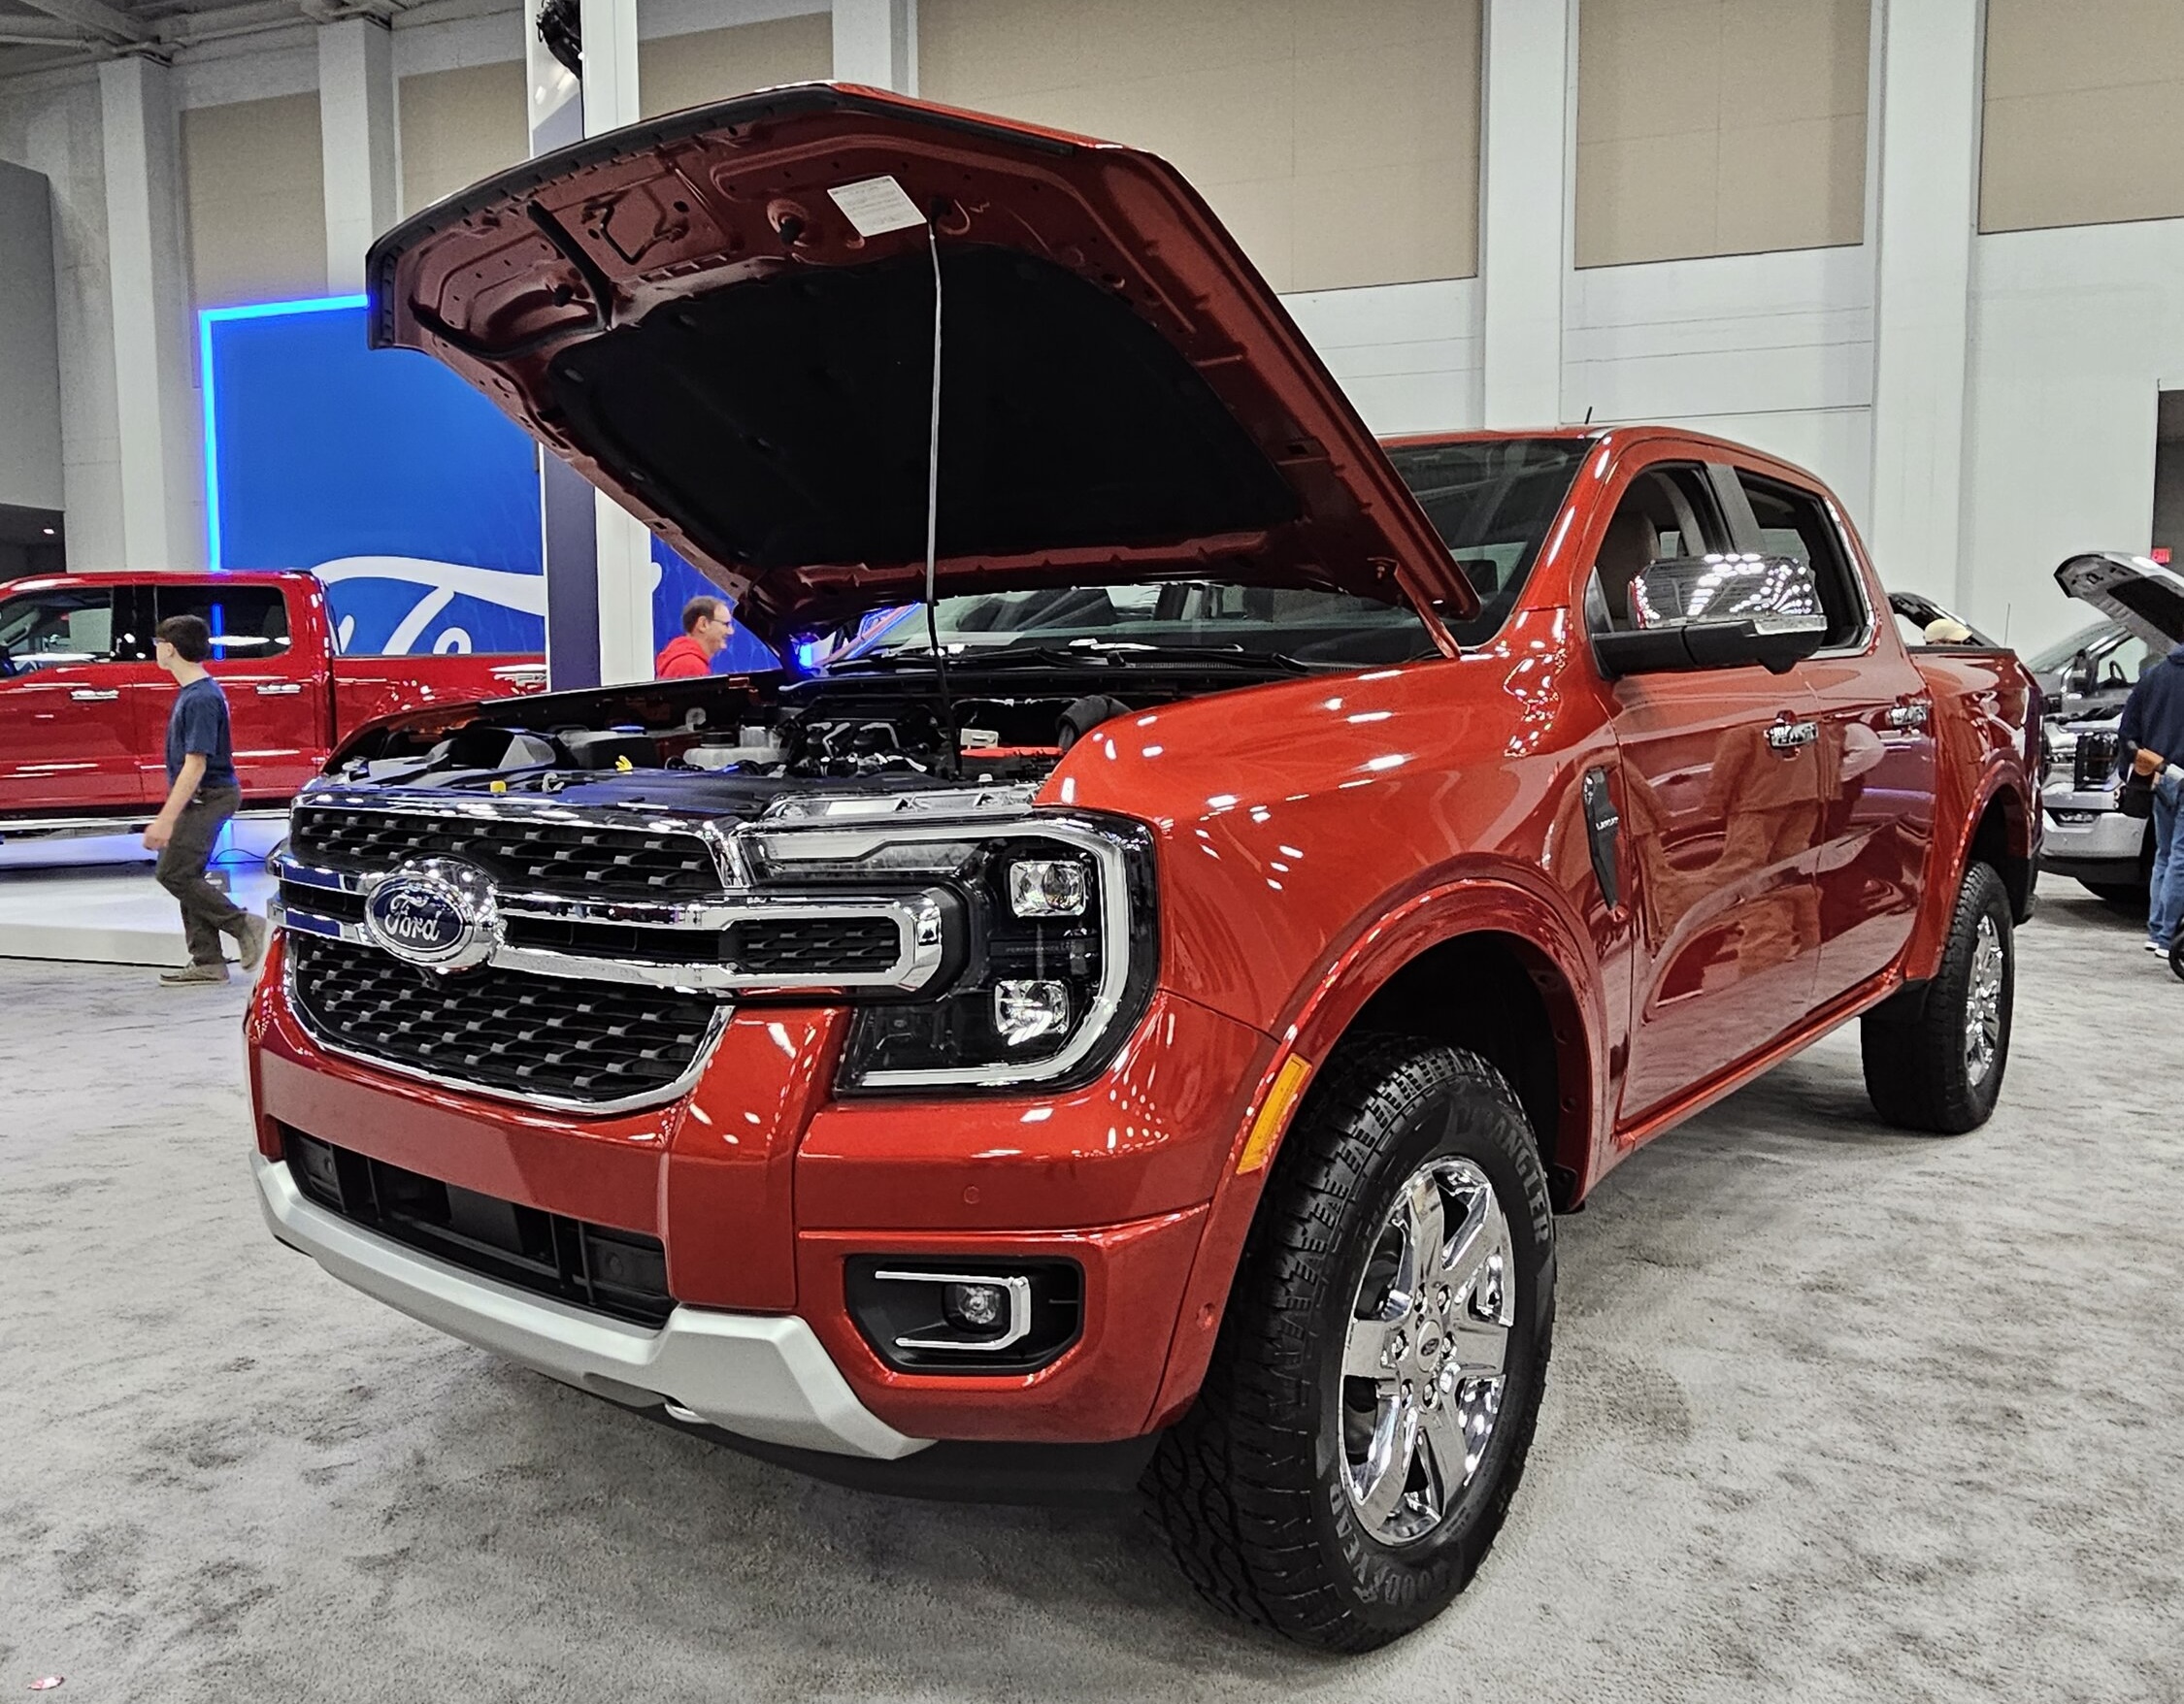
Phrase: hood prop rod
(953, 741)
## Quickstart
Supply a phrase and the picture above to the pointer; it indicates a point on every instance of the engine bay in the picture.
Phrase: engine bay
(885, 728)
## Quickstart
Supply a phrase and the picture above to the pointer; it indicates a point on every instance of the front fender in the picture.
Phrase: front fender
(1506, 903)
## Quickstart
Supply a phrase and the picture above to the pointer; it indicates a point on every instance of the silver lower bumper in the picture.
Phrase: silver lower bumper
(763, 1376)
(2087, 834)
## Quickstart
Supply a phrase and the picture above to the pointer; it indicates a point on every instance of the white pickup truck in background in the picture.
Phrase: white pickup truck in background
(2086, 681)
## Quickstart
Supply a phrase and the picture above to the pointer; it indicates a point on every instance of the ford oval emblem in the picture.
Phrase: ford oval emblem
(439, 913)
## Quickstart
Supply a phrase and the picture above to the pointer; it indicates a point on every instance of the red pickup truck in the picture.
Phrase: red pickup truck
(1137, 1025)
(84, 707)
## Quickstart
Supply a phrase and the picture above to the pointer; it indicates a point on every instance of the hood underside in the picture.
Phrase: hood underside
(2146, 597)
(694, 314)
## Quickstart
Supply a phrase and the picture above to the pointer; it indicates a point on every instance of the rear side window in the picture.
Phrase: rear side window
(1796, 523)
(247, 622)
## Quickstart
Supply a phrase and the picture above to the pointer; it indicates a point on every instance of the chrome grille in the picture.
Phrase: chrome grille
(596, 1045)
(2092, 766)
(580, 858)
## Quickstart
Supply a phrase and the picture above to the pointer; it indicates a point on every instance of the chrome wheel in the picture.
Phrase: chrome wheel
(1983, 1003)
(1427, 1352)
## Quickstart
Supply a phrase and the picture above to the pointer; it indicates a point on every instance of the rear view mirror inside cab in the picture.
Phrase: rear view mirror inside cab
(1714, 612)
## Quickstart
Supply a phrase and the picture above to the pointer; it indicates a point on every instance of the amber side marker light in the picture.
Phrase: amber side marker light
(1273, 1112)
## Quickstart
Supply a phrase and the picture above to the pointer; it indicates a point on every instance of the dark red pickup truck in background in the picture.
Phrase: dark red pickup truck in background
(84, 707)
(1148, 1037)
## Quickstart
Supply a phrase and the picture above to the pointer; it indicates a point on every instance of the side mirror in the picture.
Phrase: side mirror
(1717, 612)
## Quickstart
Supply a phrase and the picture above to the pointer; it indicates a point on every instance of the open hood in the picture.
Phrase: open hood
(2147, 598)
(724, 319)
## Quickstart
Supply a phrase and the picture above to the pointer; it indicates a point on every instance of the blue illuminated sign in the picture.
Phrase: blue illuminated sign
(408, 494)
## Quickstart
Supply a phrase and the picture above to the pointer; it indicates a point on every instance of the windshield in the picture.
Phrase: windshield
(1491, 501)
(2058, 654)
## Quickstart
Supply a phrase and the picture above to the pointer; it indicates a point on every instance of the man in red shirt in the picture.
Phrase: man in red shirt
(706, 628)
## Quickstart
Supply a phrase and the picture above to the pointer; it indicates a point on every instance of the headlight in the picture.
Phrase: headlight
(1058, 949)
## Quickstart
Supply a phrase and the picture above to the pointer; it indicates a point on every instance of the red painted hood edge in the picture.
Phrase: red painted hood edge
(1357, 528)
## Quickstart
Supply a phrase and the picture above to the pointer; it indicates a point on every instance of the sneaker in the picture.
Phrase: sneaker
(2155, 947)
(189, 974)
(249, 936)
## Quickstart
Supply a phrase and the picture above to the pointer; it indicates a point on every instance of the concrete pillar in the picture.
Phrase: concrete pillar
(621, 545)
(1928, 184)
(1523, 201)
(148, 279)
(356, 143)
(875, 44)
(568, 527)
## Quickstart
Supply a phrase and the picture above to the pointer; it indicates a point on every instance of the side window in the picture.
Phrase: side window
(43, 630)
(1667, 512)
(247, 622)
(1795, 524)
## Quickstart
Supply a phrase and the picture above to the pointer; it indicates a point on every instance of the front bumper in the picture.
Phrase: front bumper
(762, 1189)
(2085, 836)
(760, 1376)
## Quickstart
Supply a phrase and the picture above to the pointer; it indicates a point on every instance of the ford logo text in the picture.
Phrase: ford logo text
(439, 913)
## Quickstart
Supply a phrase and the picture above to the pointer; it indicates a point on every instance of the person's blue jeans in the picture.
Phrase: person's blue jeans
(2166, 904)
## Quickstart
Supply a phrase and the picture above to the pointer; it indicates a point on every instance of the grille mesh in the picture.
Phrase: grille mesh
(586, 860)
(2094, 766)
(815, 946)
(583, 1041)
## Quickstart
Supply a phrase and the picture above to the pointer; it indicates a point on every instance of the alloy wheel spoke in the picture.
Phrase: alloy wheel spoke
(1387, 1462)
(1479, 1349)
(1365, 1354)
(1476, 1243)
(1442, 1441)
(1424, 1229)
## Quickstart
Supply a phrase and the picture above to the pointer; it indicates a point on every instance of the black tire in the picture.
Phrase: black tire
(1249, 1488)
(2176, 955)
(1919, 1071)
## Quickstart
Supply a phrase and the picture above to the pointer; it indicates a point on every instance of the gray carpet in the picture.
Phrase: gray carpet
(1835, 1413)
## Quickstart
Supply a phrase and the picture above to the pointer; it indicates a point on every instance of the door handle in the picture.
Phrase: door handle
(1791, 737)
(289, 690)
(94, 695)
(1911, 714)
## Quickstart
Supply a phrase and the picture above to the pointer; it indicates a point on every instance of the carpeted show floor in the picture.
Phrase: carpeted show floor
(1836, 1413)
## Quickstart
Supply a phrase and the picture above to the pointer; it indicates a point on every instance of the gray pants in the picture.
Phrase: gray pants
(206, 913)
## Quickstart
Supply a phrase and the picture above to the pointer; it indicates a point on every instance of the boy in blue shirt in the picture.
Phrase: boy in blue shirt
(202, 794)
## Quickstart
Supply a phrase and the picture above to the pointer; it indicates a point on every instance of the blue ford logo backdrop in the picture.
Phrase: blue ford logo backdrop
(405, 490)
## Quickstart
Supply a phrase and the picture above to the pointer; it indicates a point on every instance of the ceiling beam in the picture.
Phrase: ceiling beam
(95, 20)
(43, 32)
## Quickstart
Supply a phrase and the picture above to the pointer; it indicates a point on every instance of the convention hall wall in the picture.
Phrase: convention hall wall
(1722, 203)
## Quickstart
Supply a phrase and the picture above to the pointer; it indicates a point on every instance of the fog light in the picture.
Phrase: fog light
(976, 1307)
(1024, 1011)
(996, 1317)
(1046, 887)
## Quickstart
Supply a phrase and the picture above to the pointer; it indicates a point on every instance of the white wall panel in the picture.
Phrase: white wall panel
(1408, 354)
(2073, 333)
(59, 130)
(1740, 334)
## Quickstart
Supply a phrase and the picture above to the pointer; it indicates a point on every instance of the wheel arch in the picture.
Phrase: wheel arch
(1488, 965)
